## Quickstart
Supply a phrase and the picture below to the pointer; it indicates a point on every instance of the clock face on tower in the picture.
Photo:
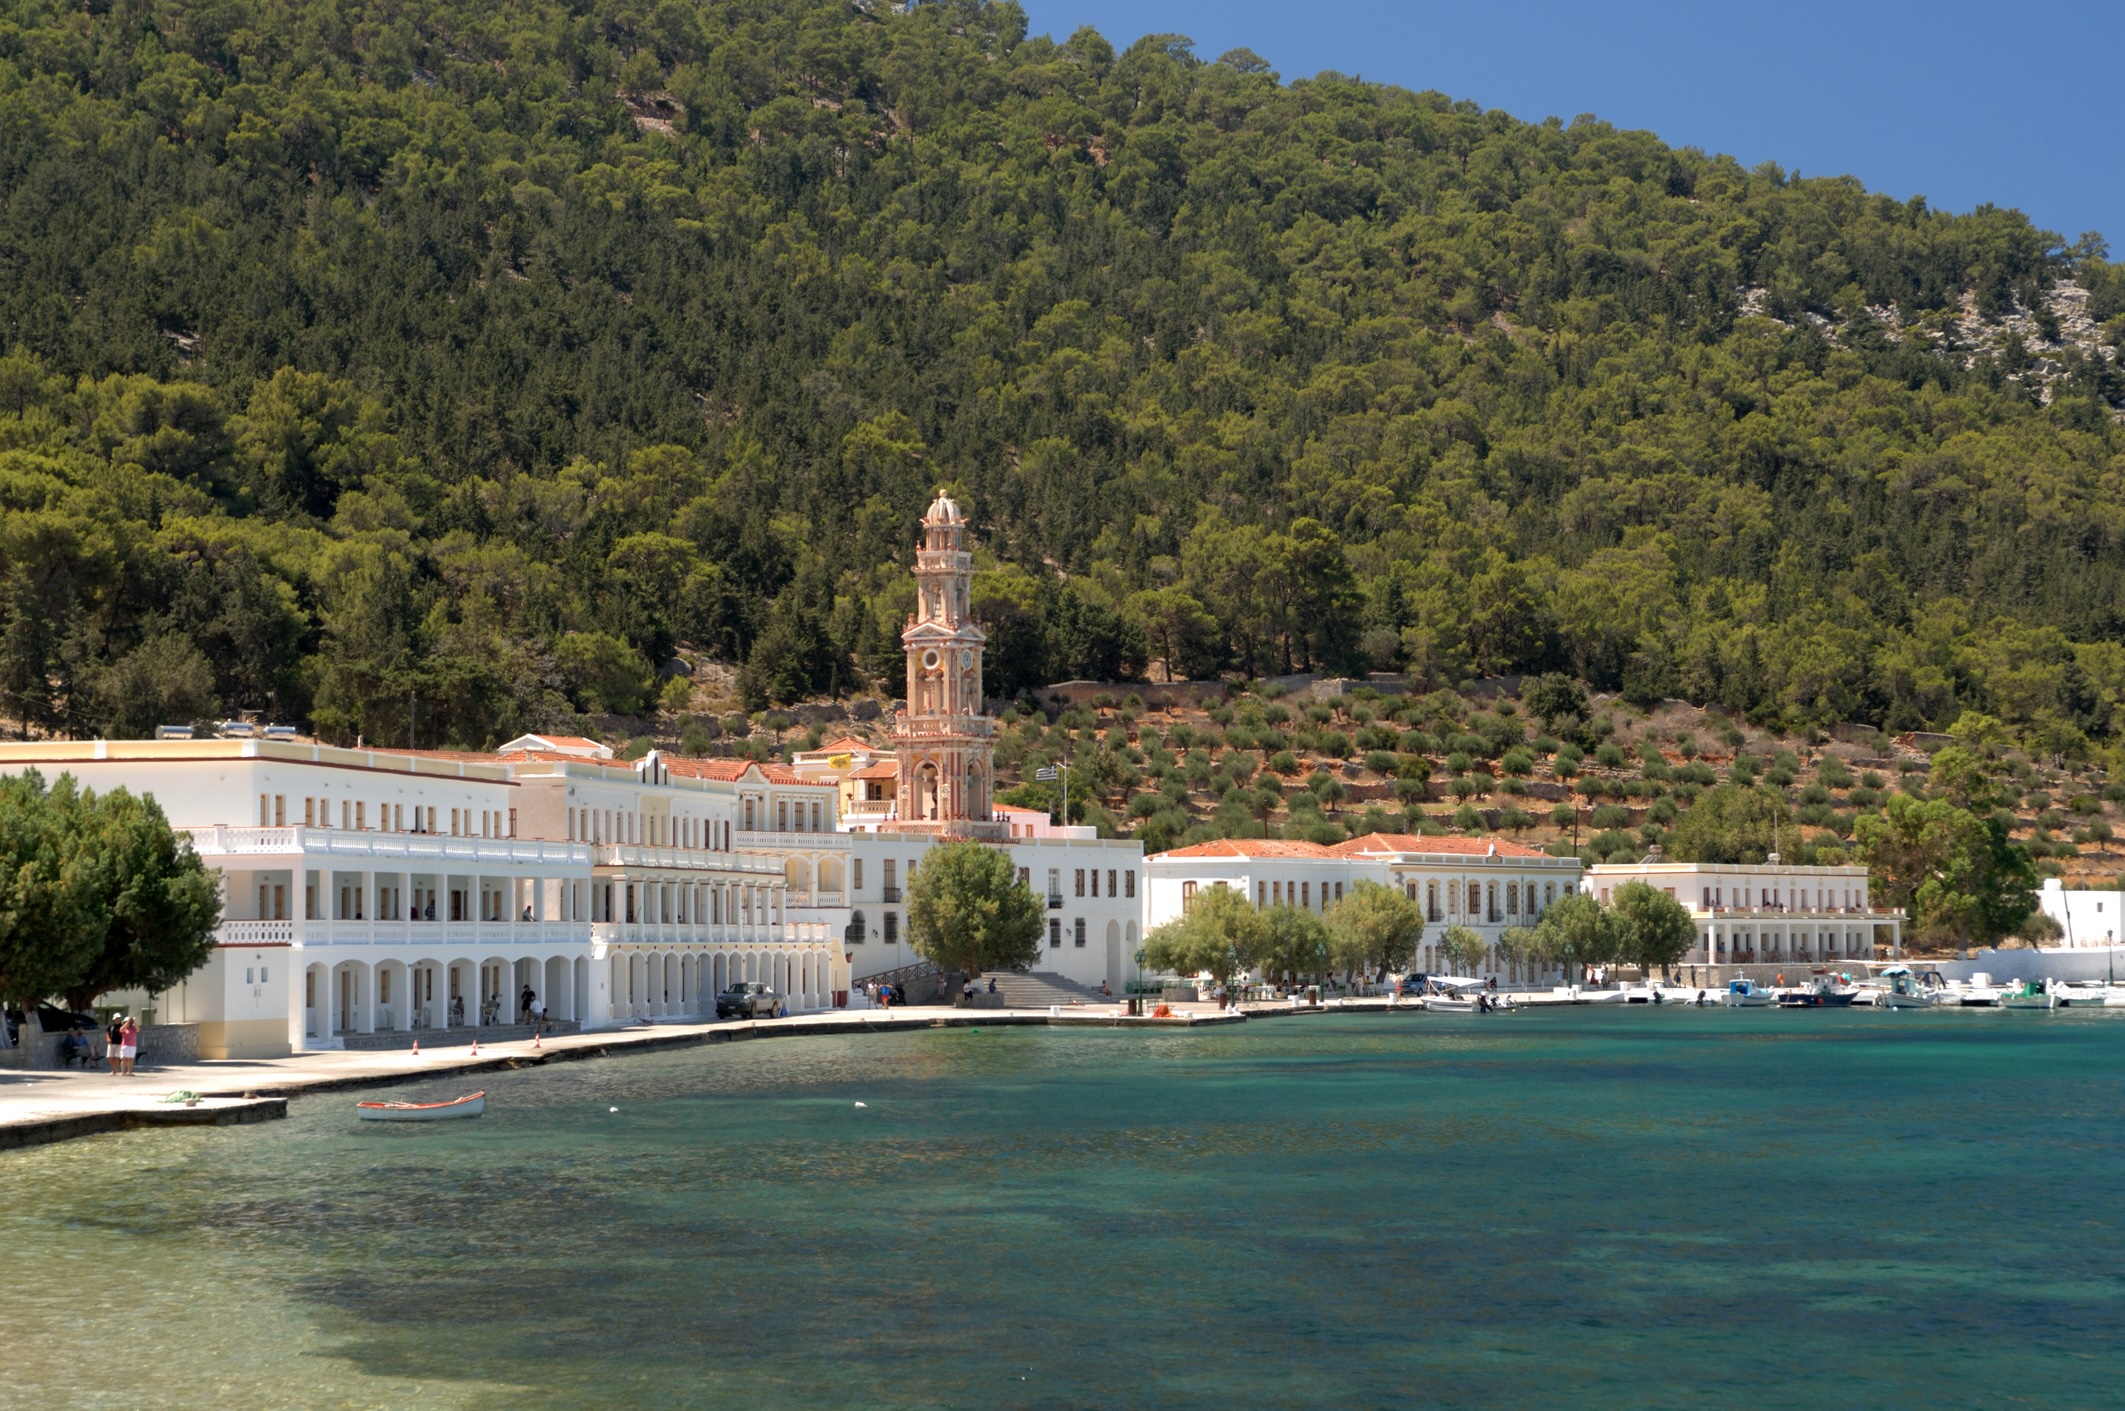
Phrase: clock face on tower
(966, 659)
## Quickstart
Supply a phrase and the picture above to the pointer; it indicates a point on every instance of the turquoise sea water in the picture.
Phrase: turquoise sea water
(1570, 1208)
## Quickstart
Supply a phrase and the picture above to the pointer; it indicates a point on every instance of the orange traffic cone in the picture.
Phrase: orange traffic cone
(475, 1045)
(535, 1038)
(416, 1048)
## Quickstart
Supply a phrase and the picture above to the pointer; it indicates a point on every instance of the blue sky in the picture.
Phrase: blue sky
(1963, 103)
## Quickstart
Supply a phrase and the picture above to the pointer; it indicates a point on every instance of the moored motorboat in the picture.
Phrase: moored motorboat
(470, 1106)
(1900, 989)
(1823, 991)
(1747, 994)
(2028, 994)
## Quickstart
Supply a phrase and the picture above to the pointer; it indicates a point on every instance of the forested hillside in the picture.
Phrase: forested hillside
(475, 359)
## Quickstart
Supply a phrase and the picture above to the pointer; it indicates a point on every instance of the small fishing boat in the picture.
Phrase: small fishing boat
(471, 1106)
(1823, 991)
(1901, 990)
(1747, 994)
(2028, 994)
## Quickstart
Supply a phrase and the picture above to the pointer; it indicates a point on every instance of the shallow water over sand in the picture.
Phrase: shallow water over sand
(1589, 1207)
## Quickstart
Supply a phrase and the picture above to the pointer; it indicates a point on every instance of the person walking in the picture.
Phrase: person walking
(111, 1041)
(128, 1045)
(538, 1017)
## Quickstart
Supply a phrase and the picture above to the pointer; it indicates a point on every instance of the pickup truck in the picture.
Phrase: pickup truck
(748, 999)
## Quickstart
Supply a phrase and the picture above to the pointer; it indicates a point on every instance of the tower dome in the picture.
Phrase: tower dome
(943, 511)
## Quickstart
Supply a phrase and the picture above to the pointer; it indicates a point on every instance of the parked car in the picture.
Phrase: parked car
(748, 999)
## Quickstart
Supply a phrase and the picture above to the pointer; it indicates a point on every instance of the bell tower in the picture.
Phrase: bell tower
(945, 743)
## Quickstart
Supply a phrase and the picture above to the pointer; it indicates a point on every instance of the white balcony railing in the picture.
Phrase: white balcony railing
(767, 840)
(255, 933)
(641, 856)
(224, 841)
(414, 933)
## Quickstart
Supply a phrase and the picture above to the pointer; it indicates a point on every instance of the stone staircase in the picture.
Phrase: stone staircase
(1040, 989)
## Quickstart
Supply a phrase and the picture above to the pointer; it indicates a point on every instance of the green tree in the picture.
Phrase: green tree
(1298, 943)
(1219, 933)
(1462, 949)
(50, 927)
(1959, 877)
(160, 902)
(1576, 931)
(1729, 824)
(164, 681)
(1521, 945)
(1376, 928)
(968, 911)
(1653, 931)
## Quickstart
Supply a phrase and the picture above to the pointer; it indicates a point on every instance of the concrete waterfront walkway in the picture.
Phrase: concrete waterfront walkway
(37, 1107)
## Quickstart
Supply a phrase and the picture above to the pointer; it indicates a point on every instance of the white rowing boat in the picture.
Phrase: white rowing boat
(471, 1106)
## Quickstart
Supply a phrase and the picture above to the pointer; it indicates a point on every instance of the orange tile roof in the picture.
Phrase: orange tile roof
(1380, 843)
(1251, 847)
(731, 770)
(845, 744)
(880, 769)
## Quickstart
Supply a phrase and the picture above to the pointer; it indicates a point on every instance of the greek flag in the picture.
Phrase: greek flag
(1046, 772)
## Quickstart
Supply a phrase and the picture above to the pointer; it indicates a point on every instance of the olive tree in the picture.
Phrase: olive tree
(1462, 949)
(1219, 933)
(1376, 928)
(1653, 931)
(1576, 931)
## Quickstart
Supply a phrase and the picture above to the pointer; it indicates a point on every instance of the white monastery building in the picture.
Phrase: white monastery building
(372, 896)
(1484, 884)
(1768, 913)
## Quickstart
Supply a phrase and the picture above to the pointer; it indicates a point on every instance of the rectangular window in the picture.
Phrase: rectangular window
(512, 823)
(361, 816)
(1261, 894)
(892, 928)
(264, 814)
(1080, 932)
(1025, 878)
(280, 810)
(1055, 933)
(1305, 896)
(1095, 881)
(1080, 881)
(1110, 883)
(1129, 882)
(309, 812)
(781, 817)
(856, 874)
(1339, 891)
(1055, 886)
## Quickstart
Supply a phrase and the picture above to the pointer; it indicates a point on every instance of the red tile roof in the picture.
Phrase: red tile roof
(879, 769)
(1251, 847)
(1383, 843)
(846, 744)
